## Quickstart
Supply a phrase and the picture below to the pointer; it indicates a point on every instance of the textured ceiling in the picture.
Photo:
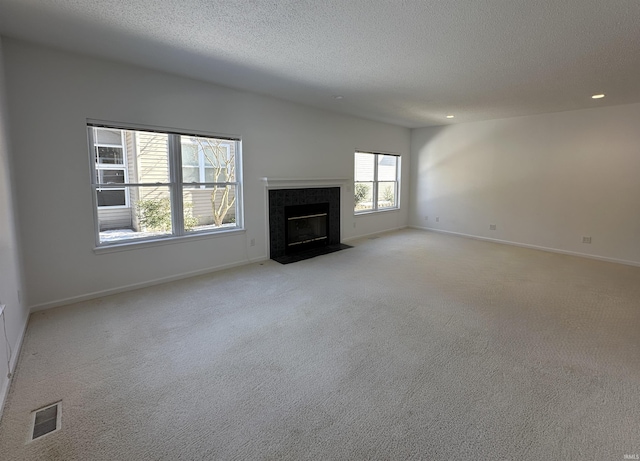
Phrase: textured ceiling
(408, 62)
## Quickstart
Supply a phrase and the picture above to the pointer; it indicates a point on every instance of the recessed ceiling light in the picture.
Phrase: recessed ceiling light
(338, 96)
(450, 116)
(597, 96)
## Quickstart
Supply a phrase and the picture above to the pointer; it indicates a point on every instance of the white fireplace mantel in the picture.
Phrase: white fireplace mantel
(291, 183)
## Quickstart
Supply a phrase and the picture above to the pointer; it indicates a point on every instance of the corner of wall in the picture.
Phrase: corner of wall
(15, 314)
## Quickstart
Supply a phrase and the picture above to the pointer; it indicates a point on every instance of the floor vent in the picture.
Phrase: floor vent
(46, 420)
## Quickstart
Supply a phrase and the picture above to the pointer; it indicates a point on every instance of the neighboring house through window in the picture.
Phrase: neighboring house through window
(111, 168)
(376, 179)
(200, 158)
(158, 184)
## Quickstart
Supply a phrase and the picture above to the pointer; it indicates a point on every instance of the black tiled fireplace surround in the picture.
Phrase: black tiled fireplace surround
(281, 198)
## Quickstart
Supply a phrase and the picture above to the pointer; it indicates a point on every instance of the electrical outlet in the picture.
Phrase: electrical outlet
(437, 218)
(586, 239)
(252, 243)
(492, 227)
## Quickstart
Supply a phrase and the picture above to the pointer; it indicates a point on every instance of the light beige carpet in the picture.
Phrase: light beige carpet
(413, 345)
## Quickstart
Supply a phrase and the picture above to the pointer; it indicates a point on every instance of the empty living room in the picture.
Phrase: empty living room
(319, 230)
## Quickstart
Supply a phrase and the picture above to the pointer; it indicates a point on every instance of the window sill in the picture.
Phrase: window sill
(136, 245)
(114, 207)
(369, 212)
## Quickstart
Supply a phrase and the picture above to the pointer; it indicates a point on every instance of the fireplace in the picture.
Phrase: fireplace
(303, 222)
(307, 226)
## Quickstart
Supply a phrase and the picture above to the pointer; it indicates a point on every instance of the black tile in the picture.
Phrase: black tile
(308, 254)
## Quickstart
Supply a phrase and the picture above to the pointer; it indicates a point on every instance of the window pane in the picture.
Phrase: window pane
(209, 175)
(149, 215)
(110, 156)
(111, 197)
(387, 167)
(151, 158)
(386, 195)
(108, 136)
(190, 174)
(111, 176)
(211, 157)
(364, 165)
(363, 196)
(189, 154)
(201, 213)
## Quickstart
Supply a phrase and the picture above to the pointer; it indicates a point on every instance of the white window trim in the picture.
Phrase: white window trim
(375, 181)
(175, 184)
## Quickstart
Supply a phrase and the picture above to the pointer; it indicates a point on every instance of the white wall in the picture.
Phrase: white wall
(545, 180)
(51, 94)
(15, 313)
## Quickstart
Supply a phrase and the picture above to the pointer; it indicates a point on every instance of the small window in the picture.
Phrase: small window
(376, 178)
(110, 167)
(151, 184)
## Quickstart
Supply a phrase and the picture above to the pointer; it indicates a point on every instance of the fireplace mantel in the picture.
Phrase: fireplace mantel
(296, 183)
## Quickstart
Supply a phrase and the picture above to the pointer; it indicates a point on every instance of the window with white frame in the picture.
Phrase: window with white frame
(111, 168)
(152, 184)
(376, 179)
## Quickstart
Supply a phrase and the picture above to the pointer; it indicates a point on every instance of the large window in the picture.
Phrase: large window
(376, 181)
(154, 184)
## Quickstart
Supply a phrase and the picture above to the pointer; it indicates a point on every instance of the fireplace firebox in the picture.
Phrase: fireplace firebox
(307, 226)
(303, 223)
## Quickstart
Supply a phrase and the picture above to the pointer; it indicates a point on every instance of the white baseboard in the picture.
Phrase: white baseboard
(373, 233)
(6, 382)
(136, 286)
(533, 247)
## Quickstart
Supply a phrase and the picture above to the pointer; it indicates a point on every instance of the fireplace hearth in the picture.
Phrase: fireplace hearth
(304, 223)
